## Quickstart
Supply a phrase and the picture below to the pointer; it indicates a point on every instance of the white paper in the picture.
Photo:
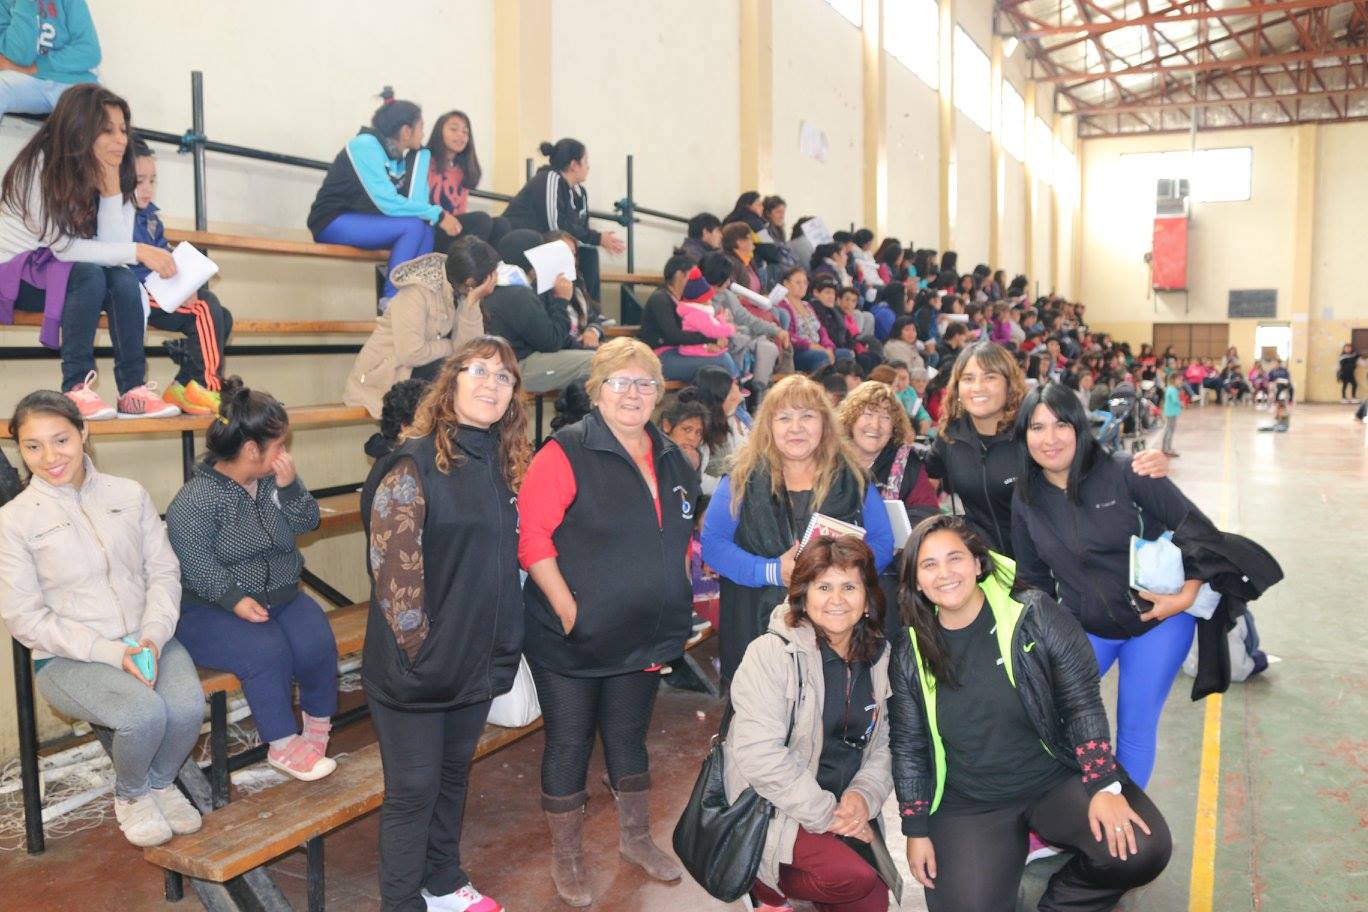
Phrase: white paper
(816, 231)
(550, 260)
(900, 521)
(193, 269)
(777, 294)
(742, 291)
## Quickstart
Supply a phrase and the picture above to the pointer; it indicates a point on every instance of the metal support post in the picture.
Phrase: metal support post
(197, 149)
(28, 748)
(218, 747)
(316, 883)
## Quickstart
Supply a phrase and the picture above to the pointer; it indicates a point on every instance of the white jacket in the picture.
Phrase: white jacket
(80, 570)
(112, 245)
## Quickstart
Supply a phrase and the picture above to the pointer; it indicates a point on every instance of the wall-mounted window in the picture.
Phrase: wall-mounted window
(1214, 175)
(1013, 122)
(973, 80)
(850, 9)
(912, 36)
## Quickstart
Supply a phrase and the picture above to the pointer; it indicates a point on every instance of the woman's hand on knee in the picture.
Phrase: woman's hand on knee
(1113, 819)
(131, 666)
(921, 860)
(249, 609)
(852, 818)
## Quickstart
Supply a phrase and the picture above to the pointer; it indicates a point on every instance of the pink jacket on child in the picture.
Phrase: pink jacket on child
(700, 317)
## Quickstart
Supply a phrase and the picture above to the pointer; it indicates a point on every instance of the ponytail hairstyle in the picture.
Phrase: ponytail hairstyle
(46, 402)
(393, 114)
(562, 153)
(846, 552)
(245, 415)
(466, 159)
(69, 181)
(916, 610)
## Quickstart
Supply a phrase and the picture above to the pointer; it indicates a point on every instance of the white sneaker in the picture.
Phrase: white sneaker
(466, 899)
(141, 821)
(178, 812)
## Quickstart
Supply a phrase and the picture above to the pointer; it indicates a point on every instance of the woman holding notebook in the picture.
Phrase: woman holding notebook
(795, 468)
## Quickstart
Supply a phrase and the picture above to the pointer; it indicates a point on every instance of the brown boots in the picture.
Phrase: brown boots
(565, 817)
(634, 841)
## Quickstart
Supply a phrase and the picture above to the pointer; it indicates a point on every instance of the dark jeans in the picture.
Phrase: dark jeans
(92, 290)
(981, 854)
(675, 366)
(808, 360)
(205, 324)
(426, 759)
(588, 263)
(295, 644)
(617, 708)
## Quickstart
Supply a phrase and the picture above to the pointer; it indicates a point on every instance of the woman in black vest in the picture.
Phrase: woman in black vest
(795, 463)
(606, 513)
(446, 622)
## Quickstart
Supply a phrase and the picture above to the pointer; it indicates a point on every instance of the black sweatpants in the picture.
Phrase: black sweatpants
(617, 707)
(980, 855)
(426, 758)
(205, 323)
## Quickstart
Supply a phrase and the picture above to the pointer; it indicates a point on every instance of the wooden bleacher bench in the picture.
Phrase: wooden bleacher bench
(247, 327)
(336, 513)
(248, 243)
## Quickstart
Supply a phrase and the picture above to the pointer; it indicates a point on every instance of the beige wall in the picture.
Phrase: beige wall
(913, 149)
(973, 195)
(1337, 303)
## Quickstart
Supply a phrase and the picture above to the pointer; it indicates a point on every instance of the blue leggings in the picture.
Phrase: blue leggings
(405, 238)
(1149, 663)
(295, 644)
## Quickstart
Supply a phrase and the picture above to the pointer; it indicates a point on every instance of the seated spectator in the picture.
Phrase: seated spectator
(555, 200)
(947, 277)
(587, 323)
(952, 340)
(800, 245)
(375, 194)
(234, 527)
(860, 325)
(727, 425)
(738, 244)
(750, 211)
(1194, 374)
(419, 331)
(864, 262)
(829, 260)
(823, 301)
(704, 236)
(812, 347)
(902, 343)
(453, 171)
(773, 209)
(45, 48)
(875, 423)
(205, 322)
(908, 395)
(696, 314)
(759, 337)
(662, 330)
(59, 599)
(396, 413)
(683, 421)
(830, 775)
(571, 405)
(1000, 325)
(66, 242)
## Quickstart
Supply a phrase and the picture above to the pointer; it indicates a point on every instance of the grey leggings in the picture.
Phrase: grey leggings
(1170, 425)
(154, 728)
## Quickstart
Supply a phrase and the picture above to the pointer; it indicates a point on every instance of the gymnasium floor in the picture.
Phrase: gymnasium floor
(1266, 790)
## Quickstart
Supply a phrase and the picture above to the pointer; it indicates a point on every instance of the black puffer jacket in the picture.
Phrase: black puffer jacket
(1055, 673)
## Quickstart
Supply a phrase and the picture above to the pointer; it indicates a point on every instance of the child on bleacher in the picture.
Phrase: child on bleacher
(66, 229)
(89, 582)
(205, 322)
(696, 314)
(234, 527)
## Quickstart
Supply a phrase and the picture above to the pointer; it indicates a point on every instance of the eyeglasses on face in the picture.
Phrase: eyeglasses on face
(645, 386)
(478, 372)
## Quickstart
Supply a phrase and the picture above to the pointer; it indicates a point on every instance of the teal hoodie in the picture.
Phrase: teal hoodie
(57, 35)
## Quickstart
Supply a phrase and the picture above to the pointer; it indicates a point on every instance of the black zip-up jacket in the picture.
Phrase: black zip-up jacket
(470, 584)
(661, 326)
(981, 472)
(833, 321)
(627, 573)
(529, 323)
(1080, 553)
(547, 202)
(232, 545)
(1056, 677)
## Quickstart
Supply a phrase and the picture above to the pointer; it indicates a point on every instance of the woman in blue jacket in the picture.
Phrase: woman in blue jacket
(1077, 506)
(375, 194)
(45, 48)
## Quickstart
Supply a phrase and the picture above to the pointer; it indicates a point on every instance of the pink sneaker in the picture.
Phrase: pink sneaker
(466, 899)
(301, 760)
(92, 407)
(143, 402)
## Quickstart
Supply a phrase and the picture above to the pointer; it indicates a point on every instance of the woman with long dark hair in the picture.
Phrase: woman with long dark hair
(997, 729)
(66, 241)
(453, 171)
(445, 626)
(728, 424)
(375, 194)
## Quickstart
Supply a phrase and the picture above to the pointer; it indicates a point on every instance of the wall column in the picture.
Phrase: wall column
(1304, 142)
(522, 87)
(1028, 170)
(997, 176)
(757, 95)
(948, 166)
(875, 119)
(1056, 131)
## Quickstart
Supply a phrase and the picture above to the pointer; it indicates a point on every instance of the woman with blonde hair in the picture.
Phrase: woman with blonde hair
(974, 458)
(878, 427)
(607, 511)
(795, 464)
(446, 616)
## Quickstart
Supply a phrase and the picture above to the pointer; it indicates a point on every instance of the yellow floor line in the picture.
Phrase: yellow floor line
(1203, 878)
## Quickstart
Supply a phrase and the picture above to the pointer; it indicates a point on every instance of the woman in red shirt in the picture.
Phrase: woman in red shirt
(454, 170)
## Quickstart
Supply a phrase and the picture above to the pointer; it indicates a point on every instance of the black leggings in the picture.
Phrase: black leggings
(618, 707)
(1349, 388)
(980, 855)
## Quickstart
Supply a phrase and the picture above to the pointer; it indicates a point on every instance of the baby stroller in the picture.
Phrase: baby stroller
(1128, 420)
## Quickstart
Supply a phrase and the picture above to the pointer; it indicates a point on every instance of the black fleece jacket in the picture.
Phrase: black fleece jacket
(661, 326)
(981, 472)
(529, 323)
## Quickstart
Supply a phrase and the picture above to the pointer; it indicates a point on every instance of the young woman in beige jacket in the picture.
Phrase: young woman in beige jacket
(426, 322)
(821, 671)
(89, 582)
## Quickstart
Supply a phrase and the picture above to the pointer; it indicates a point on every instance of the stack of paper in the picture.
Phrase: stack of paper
(193, 269)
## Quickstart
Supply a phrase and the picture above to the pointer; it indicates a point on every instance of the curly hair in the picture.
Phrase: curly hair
(436, 414)
(991, 357)
(873, 396)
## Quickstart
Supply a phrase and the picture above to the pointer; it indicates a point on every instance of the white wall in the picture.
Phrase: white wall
(1012, 243)
(913, 152)
(973, 195)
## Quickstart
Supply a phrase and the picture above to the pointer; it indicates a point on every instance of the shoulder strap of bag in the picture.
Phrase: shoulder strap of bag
(893, 488)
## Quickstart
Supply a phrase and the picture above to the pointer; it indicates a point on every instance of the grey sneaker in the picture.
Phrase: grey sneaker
(178, 812)
(141, 821)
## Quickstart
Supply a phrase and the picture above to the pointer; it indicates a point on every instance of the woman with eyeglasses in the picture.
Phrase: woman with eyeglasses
(607, 510)
(446, 620)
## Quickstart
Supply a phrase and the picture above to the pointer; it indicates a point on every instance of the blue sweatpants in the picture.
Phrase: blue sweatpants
(1149, 663)
(405, 238)
(295, 644)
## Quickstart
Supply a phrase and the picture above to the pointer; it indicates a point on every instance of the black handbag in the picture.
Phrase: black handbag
(721, 844)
